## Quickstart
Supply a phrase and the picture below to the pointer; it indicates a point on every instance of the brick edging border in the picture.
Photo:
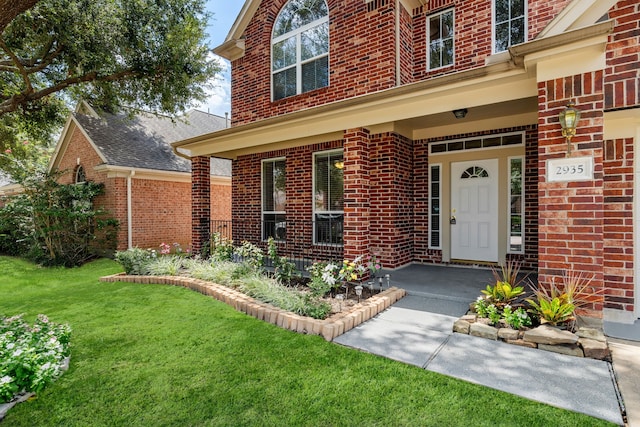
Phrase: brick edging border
(329, 328)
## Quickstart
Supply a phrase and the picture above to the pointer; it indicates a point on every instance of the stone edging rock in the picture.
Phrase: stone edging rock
(329, 328)
(586, 342)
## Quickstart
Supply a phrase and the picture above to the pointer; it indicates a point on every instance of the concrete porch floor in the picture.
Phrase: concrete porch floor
(440, 289)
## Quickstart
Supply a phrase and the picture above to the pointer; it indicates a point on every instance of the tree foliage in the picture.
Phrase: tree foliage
(148, 54)
(56, 224)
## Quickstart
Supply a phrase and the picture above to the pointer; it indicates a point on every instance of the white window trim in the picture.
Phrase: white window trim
(313, 197)
(430, 223)
(453, 37)
(262, 195)
(297, 33)
(493, 25)
(522, 206)
(501, 147)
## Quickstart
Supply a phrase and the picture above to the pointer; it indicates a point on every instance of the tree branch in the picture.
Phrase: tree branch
(25, 97)
(9, 9)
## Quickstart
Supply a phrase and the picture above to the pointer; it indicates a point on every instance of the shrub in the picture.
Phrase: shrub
(221, 248)
(250, 254)
(284, 270)
(56, 224)
(166, 265)
(135, 260)
(31, 357)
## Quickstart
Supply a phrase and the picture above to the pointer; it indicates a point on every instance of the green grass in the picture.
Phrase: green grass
(153, 355)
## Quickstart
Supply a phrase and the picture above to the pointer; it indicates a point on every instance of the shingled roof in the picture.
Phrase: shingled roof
(143, 141)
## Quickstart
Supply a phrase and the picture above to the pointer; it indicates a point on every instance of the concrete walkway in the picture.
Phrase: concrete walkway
(417, 330)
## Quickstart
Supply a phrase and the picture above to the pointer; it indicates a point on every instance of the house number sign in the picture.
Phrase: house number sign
(570, 169)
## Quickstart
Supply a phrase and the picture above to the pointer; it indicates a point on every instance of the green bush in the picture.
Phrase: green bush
(135, 260)
(31, 357)
(55, 224)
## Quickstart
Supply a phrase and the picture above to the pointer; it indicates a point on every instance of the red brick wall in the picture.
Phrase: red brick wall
(362, 55)
(200, 202)
(618, 224)
(391, 199)
(572, 213)
(357, 193)
(361, 62)
(622, 88)
(161, 209)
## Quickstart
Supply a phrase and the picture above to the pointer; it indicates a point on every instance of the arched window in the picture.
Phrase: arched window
(475, 172)
(80, 177)
(300, 48)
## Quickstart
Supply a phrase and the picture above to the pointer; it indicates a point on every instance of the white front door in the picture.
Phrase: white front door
(474, 210)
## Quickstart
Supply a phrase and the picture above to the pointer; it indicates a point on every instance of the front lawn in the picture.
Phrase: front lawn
(155, 355)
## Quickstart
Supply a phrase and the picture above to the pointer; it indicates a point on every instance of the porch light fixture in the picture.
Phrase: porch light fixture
(569, 118)
(461, 113)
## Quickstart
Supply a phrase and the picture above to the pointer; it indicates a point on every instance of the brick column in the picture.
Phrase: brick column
(571, 214)
(200, 202)
(356, 193)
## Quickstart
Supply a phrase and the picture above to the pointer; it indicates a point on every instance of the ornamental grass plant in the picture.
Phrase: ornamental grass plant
(154, 355)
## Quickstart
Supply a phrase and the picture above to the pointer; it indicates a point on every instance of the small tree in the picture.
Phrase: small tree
(56, 224)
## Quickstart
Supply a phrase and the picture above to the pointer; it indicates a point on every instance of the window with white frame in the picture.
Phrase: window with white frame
(509, 23)
(435, 214)
(516, 205)
(274, 199)
(328, 197)
(441, 40)
(300, 48)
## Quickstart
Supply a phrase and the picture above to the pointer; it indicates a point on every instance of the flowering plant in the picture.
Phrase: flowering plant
(373, 264)
(30, 356)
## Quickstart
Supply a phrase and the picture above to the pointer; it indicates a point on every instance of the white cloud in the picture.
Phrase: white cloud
(219, 95)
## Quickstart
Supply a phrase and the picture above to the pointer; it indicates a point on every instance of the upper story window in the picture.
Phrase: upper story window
(509, 23)
(80, 177)
(441, 41)
(300, 48)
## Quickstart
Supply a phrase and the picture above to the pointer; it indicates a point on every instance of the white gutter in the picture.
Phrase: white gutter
(129, 211)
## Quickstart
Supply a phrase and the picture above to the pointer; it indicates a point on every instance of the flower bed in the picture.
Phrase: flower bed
(31, 357)
(586, 342)
(328, 328)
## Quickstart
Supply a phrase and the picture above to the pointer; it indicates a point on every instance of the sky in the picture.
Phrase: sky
(224, 14)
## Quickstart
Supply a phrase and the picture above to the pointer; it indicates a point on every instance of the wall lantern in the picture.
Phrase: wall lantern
(569, 118)
(461, 113)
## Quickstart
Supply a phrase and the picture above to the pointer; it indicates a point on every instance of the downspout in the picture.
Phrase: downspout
(398, 44)
(129, 211)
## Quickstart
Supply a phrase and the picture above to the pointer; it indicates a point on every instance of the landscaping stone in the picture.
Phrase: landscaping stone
(483, 331)
(508, 334)
(461, 326)
(471, 318)
(545, 334)
(592, 334)
(568, 349)
(594, 349)
(522, 343)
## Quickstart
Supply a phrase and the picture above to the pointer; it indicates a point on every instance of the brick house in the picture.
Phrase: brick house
(147, 186)
(428, 131)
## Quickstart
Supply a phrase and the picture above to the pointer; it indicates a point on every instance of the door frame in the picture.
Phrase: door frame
(445, 160)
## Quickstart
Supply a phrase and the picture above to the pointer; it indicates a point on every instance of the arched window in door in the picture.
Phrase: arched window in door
(474, 172)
